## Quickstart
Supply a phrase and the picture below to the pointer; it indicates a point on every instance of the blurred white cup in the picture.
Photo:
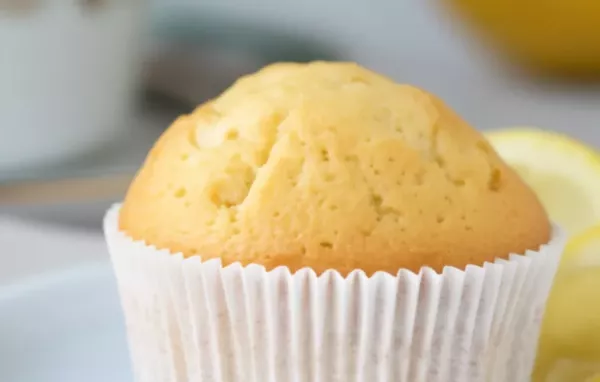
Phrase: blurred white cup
(68, 75)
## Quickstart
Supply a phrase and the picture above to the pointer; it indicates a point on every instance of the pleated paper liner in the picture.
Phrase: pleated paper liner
(190, 320)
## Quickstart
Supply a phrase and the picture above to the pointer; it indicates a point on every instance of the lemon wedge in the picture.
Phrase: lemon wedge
(563, 172)
(569, 348)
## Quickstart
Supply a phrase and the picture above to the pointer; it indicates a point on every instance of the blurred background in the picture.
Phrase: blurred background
(86, 86)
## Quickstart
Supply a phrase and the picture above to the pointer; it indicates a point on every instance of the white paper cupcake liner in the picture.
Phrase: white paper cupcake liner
(190, 320)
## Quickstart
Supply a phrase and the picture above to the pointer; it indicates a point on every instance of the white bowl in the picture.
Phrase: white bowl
(69, 73)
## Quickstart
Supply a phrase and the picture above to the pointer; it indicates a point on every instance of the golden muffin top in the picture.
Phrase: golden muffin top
(330, 166)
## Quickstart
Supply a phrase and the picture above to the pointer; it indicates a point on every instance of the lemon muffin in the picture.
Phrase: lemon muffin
(321, 222)
(330, 166)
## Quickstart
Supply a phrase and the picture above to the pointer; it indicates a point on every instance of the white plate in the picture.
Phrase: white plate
(65, 327)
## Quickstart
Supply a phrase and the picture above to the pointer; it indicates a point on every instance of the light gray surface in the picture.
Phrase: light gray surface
(38, 245)
(63, 327)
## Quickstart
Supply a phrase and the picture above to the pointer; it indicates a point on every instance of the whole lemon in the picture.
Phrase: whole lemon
(552, 36)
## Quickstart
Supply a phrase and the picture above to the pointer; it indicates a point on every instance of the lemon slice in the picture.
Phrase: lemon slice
(563, 172)
(569, 348)
(584, 250)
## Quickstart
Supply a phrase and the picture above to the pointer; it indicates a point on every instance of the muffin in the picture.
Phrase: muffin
(319, 222)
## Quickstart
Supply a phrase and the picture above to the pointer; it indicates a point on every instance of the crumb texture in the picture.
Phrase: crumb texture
(329, 165)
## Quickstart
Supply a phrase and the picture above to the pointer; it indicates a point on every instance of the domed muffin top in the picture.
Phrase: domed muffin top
(330, 166)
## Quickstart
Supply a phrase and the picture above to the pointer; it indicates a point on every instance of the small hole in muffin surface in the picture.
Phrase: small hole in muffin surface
(326, 244)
